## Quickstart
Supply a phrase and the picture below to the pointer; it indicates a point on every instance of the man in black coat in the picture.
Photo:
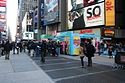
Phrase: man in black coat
(90, 53)
(43, 50)
(8, 48)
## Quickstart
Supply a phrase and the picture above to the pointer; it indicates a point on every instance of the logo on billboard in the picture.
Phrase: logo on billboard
(93, 13)
(109, 6)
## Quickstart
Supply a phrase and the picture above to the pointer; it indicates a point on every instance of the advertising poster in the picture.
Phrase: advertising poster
(2, 17)
(2, 9)
(94, 15)
(81, 15)
(91, 2)
(75, 14)
(110, 12)
(76, 44)
(51, 11)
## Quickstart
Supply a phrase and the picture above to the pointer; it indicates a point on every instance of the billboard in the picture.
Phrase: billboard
(3, 3)
(2, 17)
(51, 11)
(91, 2)
(110, 12)
(94, 15)
(86, 17)
(35, 17)
(74, 4)
(2, 9)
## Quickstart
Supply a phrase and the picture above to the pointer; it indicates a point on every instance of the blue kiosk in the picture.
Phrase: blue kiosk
(73, 40)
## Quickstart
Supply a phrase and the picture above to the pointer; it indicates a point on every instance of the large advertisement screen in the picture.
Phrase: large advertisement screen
(85, 15)
(3, 3)
(51, 11)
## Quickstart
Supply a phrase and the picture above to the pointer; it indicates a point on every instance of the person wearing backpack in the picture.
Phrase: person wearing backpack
(8, 48)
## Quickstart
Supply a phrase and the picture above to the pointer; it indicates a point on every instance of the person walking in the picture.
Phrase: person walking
(8, 48)
(43, 51)
(110, 50)
(81, 54)
(13, 47)
(90, 53)
(32, 48)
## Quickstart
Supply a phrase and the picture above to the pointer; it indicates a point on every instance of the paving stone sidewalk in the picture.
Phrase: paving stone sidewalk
(21, 69)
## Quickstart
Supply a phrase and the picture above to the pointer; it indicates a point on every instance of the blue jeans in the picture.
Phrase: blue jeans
(82, 61)
(37, 52)
(58, 50)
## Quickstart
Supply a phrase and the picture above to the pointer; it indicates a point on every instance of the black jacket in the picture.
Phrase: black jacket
(90, 50)
(8, 47)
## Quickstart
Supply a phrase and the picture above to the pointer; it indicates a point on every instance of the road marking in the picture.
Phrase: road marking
(71, 77)
(60, 69)
(59, 63)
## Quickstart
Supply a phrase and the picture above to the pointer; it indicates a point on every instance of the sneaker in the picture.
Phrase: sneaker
(82, 66)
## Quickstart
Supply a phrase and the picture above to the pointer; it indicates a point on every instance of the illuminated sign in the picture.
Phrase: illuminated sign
(109, 32)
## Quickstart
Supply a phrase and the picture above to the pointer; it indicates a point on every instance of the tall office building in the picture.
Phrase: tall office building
(25, 6)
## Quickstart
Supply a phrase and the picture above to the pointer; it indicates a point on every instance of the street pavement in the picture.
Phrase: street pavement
(63, 69)
(21, 69)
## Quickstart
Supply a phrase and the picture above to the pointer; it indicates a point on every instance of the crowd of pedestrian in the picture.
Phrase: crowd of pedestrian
(54, 48)
(35, 48)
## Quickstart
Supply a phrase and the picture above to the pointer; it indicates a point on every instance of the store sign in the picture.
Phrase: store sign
(110, 12)
(85, 31)
(109, 33)
(94, 15)
(28, 35)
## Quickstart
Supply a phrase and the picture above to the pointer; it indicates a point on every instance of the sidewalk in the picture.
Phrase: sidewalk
(21, 69)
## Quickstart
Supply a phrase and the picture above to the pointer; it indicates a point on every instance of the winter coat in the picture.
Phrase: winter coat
(90, 50)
